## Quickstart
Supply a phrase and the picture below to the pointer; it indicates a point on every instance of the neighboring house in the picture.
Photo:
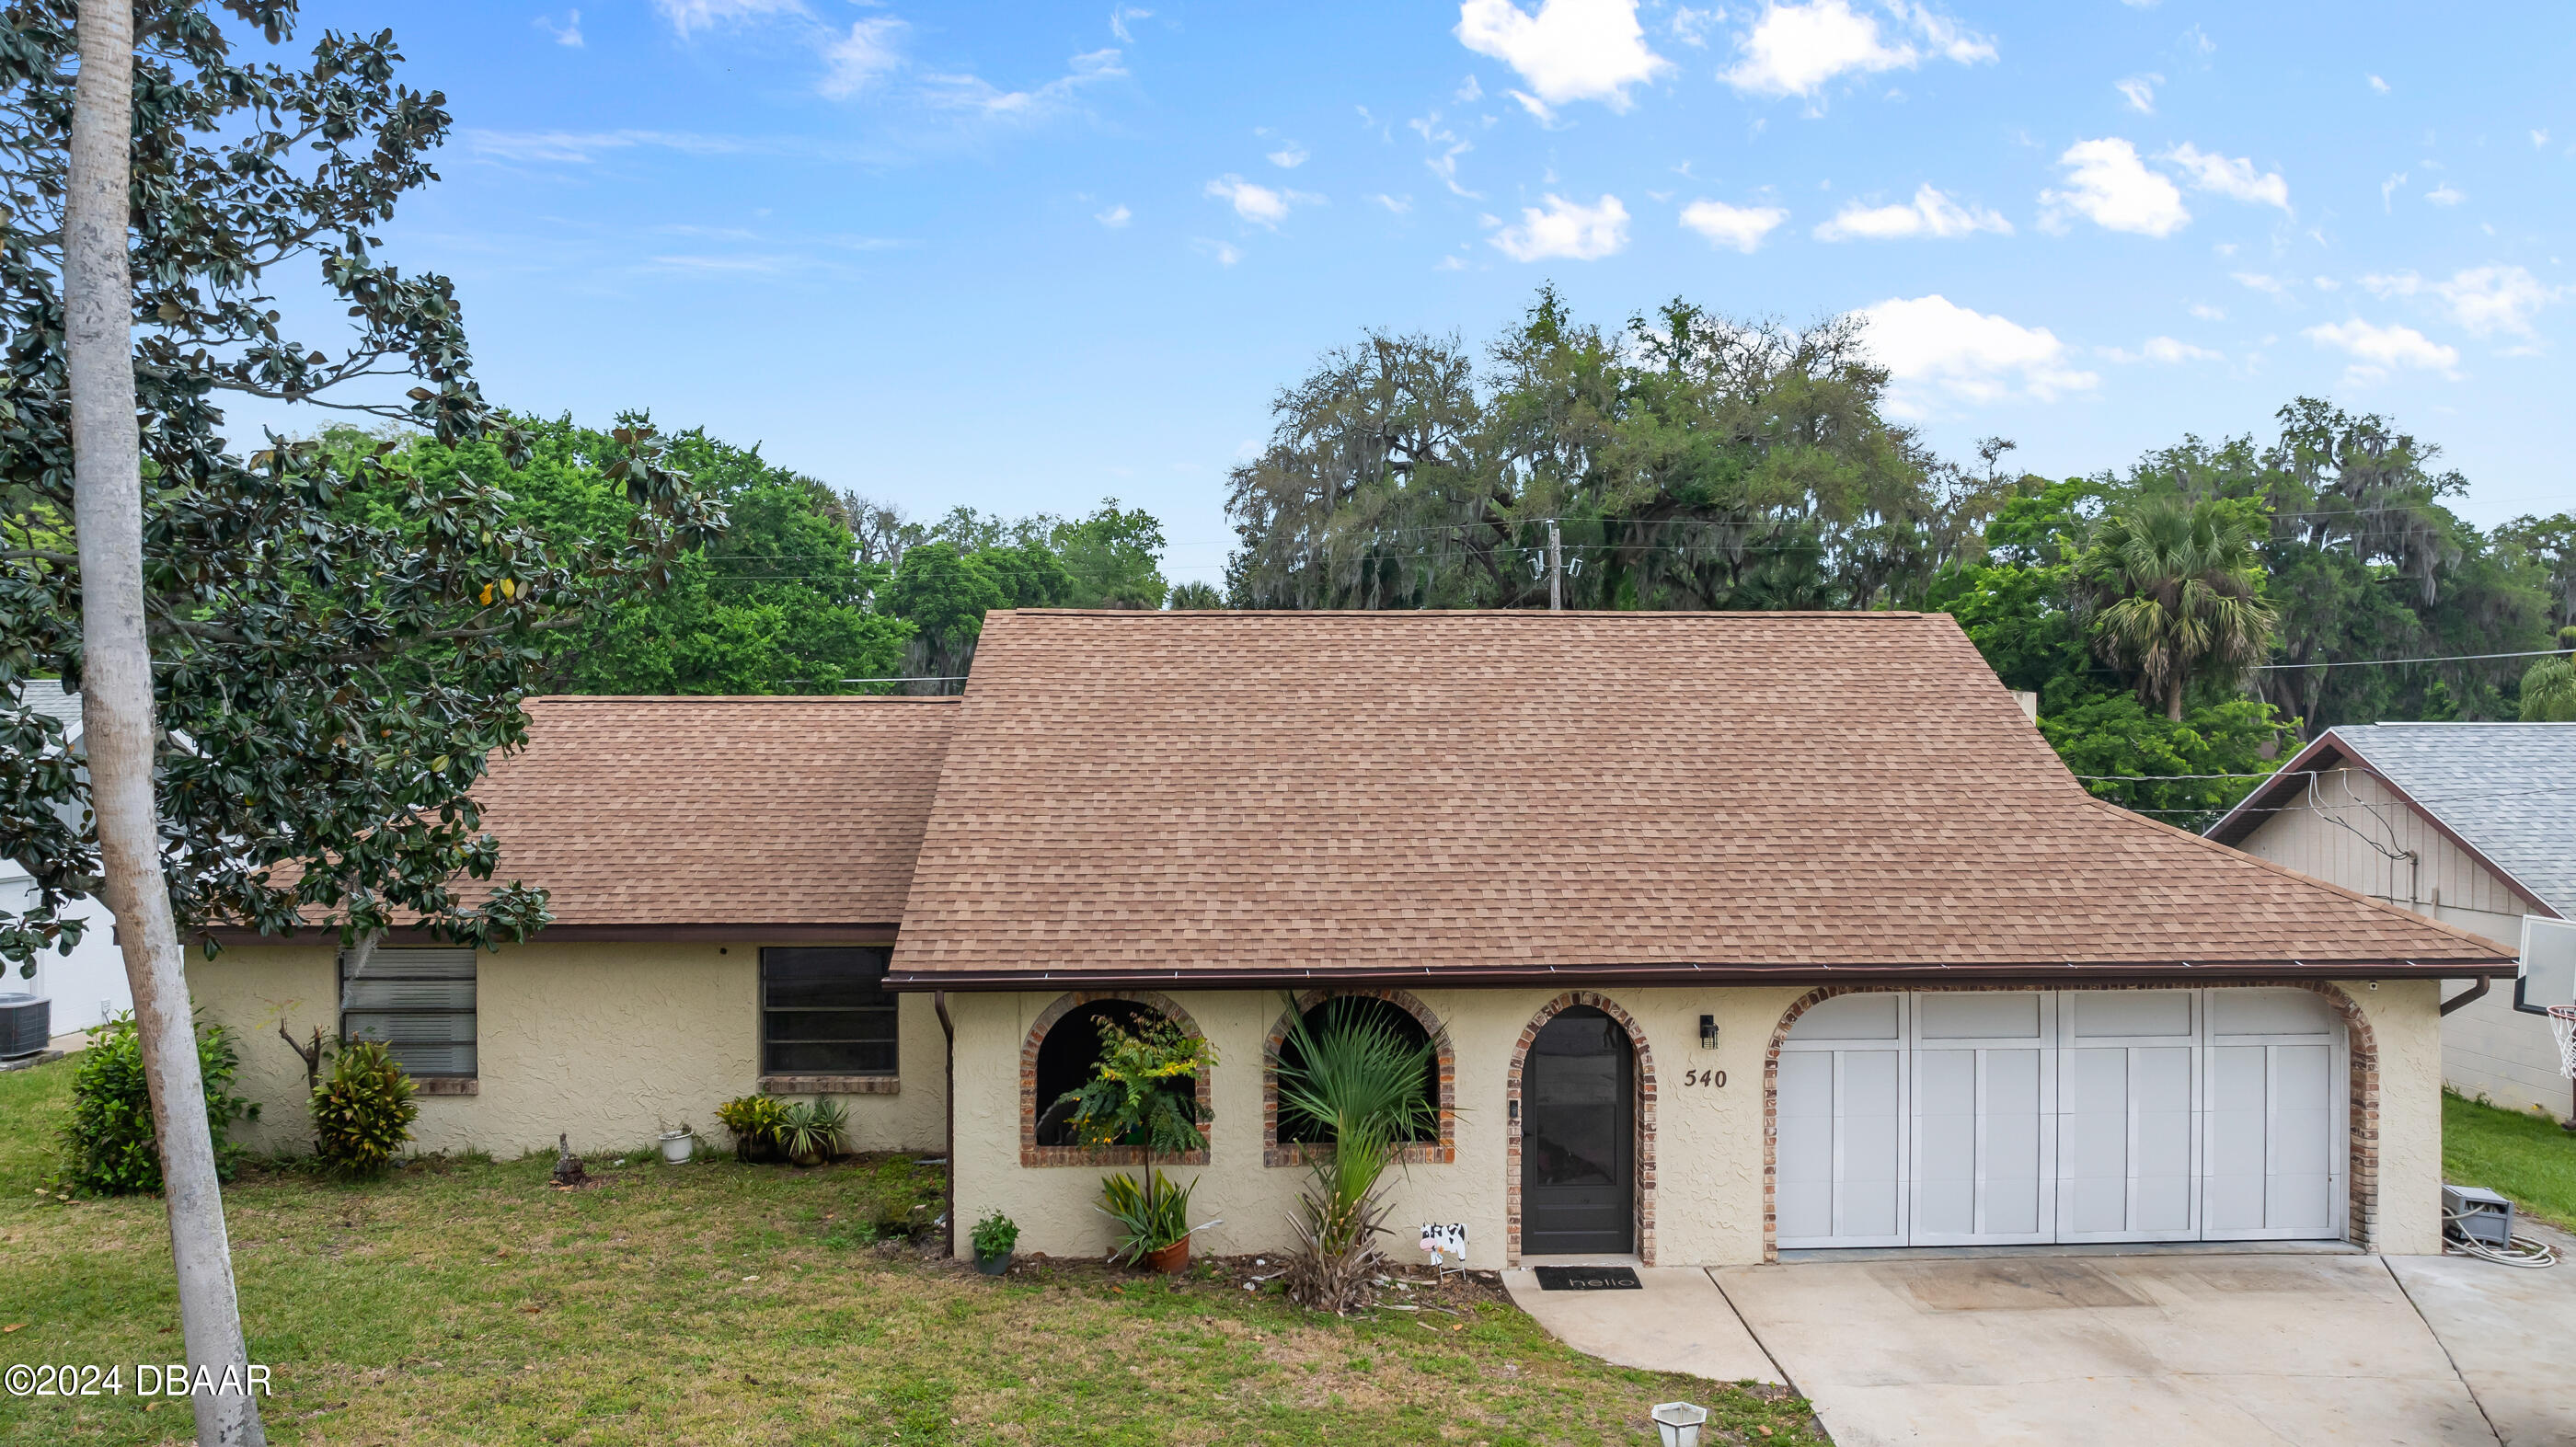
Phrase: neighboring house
(88, 985)
(2472, 824)
(1730, 934)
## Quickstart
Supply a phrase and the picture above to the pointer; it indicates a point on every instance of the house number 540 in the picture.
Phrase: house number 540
(1704, 1077)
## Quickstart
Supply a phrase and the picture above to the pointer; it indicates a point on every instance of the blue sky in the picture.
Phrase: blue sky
(1025, 256)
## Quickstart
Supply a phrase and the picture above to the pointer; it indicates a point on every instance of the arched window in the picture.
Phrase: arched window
(1062, 1049)
(1292, 1136)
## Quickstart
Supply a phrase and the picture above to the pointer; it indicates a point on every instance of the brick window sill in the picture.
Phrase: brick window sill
(448, 1085)
(831, 1084)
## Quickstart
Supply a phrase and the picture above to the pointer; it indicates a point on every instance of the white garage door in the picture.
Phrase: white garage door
(2001, 1117)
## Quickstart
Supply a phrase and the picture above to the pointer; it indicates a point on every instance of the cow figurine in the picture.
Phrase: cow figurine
(1447, 1245)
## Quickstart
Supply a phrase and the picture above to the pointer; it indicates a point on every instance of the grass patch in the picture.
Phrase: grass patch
(2516, 1153)
(465, 1301)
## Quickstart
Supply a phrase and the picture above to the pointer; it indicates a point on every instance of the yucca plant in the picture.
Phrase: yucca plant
(1358, 1079)
(810, 1131)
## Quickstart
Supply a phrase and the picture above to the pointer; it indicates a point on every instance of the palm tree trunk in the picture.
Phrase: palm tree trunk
(2173, 698)
(116, 695)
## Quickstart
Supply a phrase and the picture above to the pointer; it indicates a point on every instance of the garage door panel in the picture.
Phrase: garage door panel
(2013, 1117)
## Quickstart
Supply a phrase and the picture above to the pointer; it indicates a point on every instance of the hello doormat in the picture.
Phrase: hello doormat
(1588, 1278)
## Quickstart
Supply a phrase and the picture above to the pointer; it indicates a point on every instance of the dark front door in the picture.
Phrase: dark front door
(1578, 1138)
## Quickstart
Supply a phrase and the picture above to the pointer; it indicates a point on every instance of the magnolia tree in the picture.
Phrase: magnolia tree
(288, 690)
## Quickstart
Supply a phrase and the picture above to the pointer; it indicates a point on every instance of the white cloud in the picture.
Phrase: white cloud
(2208, 313)
(1932, 344)
(2445, 195)
(1740, 227)
(1567, 229)
(2236, 179)
(1225, 255)
(568, 33)
(1449, 263)
(2377, 84)
(1118, 19)
(2110, 186)
(1691, 27)
(1798, 49)
(2198, 42)
(1397, 204)
(2269, 285)
(2539, 139)
(584, 147)
(2375, 350)
(1930, 214)
(1114, 217)
(2169, 349)
(2140, 92)
(1259, 204)
(688, 16)
(2482, 300)
(1470, 91)
(1289, 156)
(974, 93)
(853, 60)
(1570, 50)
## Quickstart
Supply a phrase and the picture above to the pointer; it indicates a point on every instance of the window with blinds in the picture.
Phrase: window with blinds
(419, 1002)
(826, 1012)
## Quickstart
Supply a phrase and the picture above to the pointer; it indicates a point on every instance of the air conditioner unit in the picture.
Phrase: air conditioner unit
(26, 1023)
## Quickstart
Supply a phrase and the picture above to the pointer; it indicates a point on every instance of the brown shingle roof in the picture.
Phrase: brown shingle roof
(696, 810)
(1239, 796)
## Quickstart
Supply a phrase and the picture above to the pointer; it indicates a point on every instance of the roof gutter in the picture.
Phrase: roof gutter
(2070, 972)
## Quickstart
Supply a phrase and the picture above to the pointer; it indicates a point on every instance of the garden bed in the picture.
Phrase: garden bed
(463, 1300)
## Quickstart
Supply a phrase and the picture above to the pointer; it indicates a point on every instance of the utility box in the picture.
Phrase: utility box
(2478, 1214)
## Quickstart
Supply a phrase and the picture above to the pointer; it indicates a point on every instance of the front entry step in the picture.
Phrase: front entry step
(1678, 1321)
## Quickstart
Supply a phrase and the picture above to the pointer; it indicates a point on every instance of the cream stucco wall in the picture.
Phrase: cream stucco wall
(2365, 838)
(1708, 1140)
(608, 1043)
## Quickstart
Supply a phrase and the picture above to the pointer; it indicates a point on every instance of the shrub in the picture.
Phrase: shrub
(363, 1113)
(811, 1131)
(754, 1121)
(108, 1146)
(996, 1235)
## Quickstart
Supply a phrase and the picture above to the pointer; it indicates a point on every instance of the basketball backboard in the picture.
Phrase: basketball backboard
(2548, 973)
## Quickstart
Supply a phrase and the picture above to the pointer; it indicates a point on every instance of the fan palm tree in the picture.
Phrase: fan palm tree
(2549, 689)
(2179, 588)
(1358, 1078)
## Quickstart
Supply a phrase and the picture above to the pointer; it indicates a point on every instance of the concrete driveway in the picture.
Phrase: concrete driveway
(2204, 1346)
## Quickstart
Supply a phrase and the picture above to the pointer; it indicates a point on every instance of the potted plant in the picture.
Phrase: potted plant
(995, 1237)
(810, 1131)
(679, 1145)
(753, 1121)
(1139, 1095)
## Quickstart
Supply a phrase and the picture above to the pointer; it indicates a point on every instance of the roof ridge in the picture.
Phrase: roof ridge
(2286, 872)
(553, 698)
(1394, 614)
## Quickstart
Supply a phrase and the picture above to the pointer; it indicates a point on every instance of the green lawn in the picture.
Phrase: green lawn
(721, 1303)
(2516, 1153)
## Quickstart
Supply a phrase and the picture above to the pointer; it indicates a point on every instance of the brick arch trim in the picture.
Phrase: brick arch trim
(1440, 1151)
(1645, 1113)
(1033, 1154)
(2361, 1053)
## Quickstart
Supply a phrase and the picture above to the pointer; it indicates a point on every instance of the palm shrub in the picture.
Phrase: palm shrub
(1360, 1080)
(811, 1131)
(2180, 591)
(2549, 689)
(108, 1144)
(1136, 1097)
(363, 1113)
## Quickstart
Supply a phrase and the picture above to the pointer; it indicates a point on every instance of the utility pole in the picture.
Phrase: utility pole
(1555, 568)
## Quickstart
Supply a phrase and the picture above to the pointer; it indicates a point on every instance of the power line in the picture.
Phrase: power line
(2375, 662)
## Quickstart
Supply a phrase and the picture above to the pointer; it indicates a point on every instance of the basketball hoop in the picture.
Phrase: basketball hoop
(2562, 1023)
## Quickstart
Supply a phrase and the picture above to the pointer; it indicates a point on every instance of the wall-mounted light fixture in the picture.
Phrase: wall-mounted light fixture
(1708, 1032)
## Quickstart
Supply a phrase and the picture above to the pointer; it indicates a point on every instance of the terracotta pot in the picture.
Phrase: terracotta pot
(1170, 1260)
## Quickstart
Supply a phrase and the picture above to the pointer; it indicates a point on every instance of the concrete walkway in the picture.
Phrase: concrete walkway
(1679, 1323)
(2233, 1347)
(2512, 1334)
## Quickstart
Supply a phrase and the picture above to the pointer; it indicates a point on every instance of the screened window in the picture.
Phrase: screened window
(826, 1012)
(419, 1002)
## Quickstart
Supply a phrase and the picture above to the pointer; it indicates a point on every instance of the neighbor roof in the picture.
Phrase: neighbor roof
(2504, 791)
(698, 811)
(1483, 797)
